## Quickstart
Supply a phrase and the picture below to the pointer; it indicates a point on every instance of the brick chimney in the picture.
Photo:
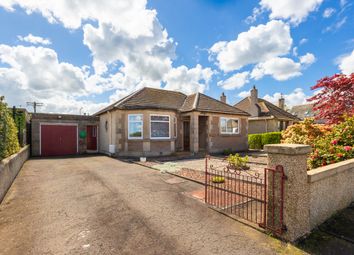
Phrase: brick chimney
(254, 110)
(223, 98)
(281, 102)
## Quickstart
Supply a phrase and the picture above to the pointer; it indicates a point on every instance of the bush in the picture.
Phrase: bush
(335, 146)
(8, 132)
(237, 161)
(271, 138)
(257, 141)
(304, 132)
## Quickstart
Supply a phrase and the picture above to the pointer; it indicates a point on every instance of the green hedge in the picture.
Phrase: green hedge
(257, 141)
(8, 132)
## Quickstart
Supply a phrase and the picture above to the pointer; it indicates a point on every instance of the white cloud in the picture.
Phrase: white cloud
(296, 97)
(188, 80)
(296, 11)
(346, 63)
(280, 69)
(335, 26)
(35, 74)
(259, 43)
(34, 39)
(303, 41)
(124, 36)
(244, 94)
(236, 81)
(72, 14)
(328, 12)
(307, 59)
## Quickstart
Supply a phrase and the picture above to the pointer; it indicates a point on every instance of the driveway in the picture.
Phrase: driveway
(99, 205)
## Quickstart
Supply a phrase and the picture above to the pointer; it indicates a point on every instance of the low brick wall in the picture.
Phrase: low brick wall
(331, 189)
(9, 168)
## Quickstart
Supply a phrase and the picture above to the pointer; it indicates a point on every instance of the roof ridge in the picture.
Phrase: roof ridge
(224, 103)
(168, 90)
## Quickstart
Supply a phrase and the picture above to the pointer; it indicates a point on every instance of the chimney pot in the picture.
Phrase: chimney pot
(223, 98)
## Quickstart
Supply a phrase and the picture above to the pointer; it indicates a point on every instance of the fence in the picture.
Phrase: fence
(251, 195)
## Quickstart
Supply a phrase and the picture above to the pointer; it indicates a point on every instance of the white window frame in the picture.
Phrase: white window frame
(169, 127)
(230, 133)
(142, 126)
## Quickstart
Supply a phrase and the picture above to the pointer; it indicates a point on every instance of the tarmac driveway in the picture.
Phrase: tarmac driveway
(99, 205)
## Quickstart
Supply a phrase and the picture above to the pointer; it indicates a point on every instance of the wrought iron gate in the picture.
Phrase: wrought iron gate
(256, 196)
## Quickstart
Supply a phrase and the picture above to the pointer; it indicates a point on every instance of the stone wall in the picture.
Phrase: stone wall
(310, 197)
(9, 168)
(331, 189)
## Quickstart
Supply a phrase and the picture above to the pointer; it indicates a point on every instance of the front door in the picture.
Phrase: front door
(186, 136)
(91, 138)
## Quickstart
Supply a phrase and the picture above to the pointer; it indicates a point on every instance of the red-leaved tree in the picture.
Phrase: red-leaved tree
(335, 99)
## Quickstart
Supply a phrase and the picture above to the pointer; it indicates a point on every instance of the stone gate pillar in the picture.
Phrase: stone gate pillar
(296, 213)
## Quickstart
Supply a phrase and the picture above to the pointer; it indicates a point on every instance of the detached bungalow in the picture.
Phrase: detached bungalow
(154, 122)
(265, 116)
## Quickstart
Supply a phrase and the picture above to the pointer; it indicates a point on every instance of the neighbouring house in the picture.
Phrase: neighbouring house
(305, 111)
(153, 122)
(265, 116)
(63, 134)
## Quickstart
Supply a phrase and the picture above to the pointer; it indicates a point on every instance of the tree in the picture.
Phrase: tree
(8, 132)
(335, 99)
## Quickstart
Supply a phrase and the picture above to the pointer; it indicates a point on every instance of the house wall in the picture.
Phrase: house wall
(262, 126)
(117, 134)
(81, 120)
(219, 142)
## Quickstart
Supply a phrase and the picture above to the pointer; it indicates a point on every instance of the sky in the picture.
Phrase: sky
(78, 56)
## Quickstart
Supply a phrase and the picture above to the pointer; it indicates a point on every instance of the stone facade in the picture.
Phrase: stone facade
(204, 133)
(80, 120)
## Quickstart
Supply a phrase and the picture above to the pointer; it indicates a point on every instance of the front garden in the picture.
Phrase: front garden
(330, 143)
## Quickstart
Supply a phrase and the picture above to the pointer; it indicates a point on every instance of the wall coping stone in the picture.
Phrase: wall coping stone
(323, 172)
(287, 149)
(8, 159)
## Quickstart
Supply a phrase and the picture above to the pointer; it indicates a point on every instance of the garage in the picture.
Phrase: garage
(58, 139)
(63, 134)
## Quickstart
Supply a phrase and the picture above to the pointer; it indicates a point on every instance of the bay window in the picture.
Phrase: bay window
(229, 126)
(159, 127)
(135, 126)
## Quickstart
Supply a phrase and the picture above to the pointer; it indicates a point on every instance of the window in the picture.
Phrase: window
(229, 126)
(159, 126)
(135, 126)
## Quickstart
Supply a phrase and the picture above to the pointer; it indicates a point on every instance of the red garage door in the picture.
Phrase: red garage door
(58, 140)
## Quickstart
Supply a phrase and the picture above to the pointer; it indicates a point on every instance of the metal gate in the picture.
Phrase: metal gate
(256, 196)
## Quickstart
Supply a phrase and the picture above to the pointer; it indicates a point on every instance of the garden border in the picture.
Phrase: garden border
(10, 167)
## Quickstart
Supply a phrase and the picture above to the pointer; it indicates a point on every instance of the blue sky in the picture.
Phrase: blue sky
(74, 55)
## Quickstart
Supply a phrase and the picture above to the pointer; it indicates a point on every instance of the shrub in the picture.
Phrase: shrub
(218, 179)
(304, 132)
(8, 132)
(271, 138)
(237, 161)
(255, 141)
(335, 146)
